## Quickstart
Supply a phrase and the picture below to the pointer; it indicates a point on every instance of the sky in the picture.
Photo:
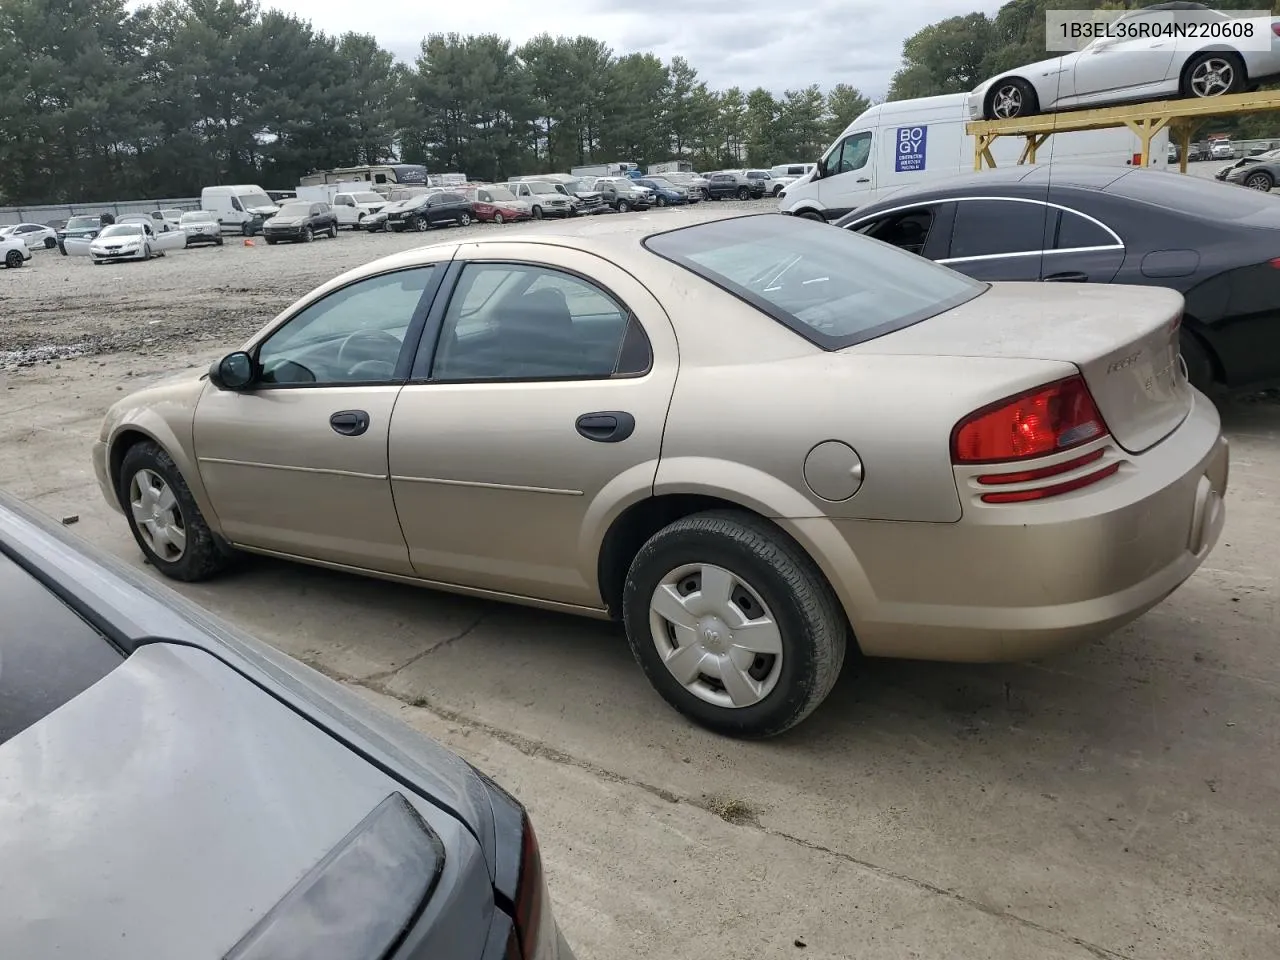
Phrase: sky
(773, 44)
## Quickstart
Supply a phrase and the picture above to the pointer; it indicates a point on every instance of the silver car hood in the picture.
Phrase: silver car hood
(165, 809)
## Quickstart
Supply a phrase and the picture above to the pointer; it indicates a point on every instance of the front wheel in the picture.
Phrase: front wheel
(14, 258)
(662, 201)
(734, 624)
(217, 242)
(623, 206)
(1259, 181)
(164, 517)
(146, 253)
(744, 193)
(537, 213)
(333, 232)
(308, 235)
(498, 218)
(1011, 98)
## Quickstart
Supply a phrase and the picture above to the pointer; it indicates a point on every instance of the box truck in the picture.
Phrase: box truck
(907, 142)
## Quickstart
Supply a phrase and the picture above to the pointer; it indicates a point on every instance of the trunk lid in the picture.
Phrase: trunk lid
(1123, 339)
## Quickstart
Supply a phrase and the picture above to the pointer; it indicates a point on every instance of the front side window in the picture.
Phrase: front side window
(906, 229)
(853, 153)
(835, 288)
(521, 322)
(987, 228)
(354, 335)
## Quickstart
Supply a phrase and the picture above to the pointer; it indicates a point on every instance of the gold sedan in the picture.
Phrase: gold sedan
(757, 441)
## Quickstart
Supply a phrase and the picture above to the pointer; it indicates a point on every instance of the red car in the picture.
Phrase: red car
(494, 204)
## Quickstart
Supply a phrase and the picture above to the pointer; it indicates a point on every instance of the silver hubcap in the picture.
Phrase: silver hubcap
(1260, 183)
(155, 511)
(1007, 102)
(716, 636)
(1212, 78)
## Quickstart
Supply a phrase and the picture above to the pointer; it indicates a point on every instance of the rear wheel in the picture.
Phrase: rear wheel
(734, 624)
(812, 215)
(14, 258)
(537, 213)
(50, 243)
(744, 193)
(777, 190)
(1214, 74)
(1200, 370)
(662, 201)
(497, 218)
(464, 220)
(164, 517)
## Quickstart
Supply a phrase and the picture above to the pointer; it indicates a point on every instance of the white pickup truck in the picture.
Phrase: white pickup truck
(351, 205)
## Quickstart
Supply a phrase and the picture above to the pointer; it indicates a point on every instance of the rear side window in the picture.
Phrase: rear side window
(985, 228)
(48, 654)
(1075, 231)
(833, 287)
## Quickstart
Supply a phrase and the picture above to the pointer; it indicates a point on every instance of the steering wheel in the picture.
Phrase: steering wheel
(372, 337)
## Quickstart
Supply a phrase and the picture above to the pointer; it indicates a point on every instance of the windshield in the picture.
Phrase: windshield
(122, 230)
(79, 223)
(835, 288)
(198, 216)
(499, 193)
(367, 196)
(295, 210)
(251, 200)
(541, 186)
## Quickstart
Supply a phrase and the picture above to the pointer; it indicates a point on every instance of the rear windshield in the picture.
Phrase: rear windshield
(77, 223)
(48, 654)
(1194, 196)
(833, 287)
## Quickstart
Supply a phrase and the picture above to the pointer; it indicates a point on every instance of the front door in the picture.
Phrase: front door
(297, 463)
(541, 408)
(166, 238)
(1115, 68)
(849, 178)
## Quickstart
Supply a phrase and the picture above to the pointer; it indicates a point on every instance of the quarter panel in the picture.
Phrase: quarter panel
(746, 430)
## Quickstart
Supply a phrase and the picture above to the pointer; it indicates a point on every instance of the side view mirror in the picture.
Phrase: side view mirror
(235, 371)
(819, 171)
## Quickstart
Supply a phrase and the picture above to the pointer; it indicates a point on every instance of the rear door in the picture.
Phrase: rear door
(998, 239)
(539, 411)
(1080, 249)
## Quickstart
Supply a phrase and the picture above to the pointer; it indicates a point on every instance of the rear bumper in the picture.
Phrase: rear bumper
(1011, 584)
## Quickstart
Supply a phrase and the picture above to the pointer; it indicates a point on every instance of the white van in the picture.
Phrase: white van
(240, 208)
(907, 142)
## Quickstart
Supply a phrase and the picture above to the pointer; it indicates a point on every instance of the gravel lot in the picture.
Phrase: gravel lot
(1115, 802)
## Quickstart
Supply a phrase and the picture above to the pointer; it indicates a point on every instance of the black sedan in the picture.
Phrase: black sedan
(172, 788)
(1216, 245)
(301, 221)
(431, 210)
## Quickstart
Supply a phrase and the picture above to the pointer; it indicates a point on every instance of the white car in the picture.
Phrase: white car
(14, 252)
(134, 240)
(201, 226)
(1221, 150)
(1114, 70)
(34, 235)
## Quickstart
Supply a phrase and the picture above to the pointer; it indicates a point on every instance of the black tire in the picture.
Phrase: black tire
(623, 206)
(217, 242)
(271, 242)
(812, 215)
(777, 190)
(744, 193)
(464, 220)
(333, 232)
(537, 213)
(706, 194)
(14, 259)
(1259, 181)
(204, 556)
(1231, 62)
(307, 235)
(1019, 98)
(146, 252)
(246, 230)
(50, 243)
(62, 249)
(419, 224)
(661, 201)
(499, 218)
(1200, 367)
(815, 633)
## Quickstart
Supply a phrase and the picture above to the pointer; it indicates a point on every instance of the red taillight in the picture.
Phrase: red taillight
(1275, 262)
(525, 942)
(1275, 28)
(1046, 420)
